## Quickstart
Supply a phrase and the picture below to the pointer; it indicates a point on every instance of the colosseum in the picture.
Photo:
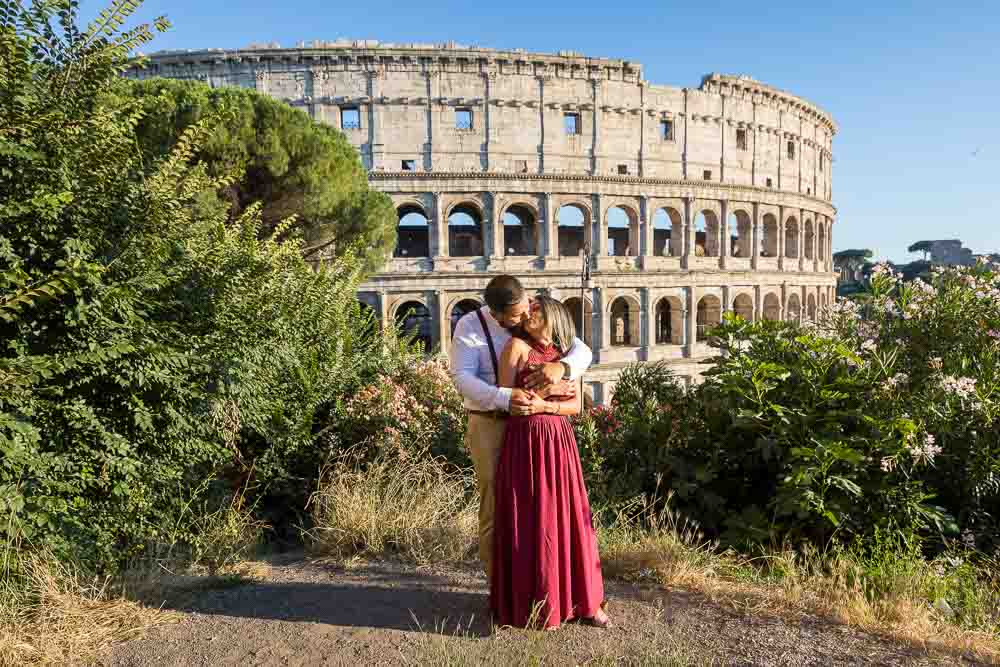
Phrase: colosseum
(648, 209)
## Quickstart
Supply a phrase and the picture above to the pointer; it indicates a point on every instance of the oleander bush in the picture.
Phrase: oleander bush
(881, 418)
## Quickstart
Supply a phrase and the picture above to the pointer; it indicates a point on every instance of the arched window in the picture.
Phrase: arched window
(770, 241)
(520, 232)
(809, 240)
(792, 238)
(622, 232)
(743, 306)
(772, 307)
(572, 230)
(669, 321)
(583, 318)
(709, 315)
(794, 313)
(665, 221)
(465, 231)
(413, 237)
(461, 309)
(624, 322)
(414, 320)
(740, 233)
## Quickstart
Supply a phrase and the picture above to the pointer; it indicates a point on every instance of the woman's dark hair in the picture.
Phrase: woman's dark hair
(503, 292)
(557, 316)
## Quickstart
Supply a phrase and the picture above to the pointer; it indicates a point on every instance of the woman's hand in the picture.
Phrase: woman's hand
(533, 405)
(545, 375)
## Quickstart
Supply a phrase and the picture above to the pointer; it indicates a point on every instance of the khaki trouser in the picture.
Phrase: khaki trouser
(483, 438)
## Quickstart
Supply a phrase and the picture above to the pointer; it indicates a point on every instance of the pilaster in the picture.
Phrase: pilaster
(725, 241)
(439, 227)
(756, 238)
(494, 231)
(691, 321)
(689, 233)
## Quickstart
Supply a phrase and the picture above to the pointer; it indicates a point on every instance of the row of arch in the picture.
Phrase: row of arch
(522, 234)
(625, 314)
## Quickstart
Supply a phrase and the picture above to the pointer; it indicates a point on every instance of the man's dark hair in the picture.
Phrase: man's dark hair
(503, 292)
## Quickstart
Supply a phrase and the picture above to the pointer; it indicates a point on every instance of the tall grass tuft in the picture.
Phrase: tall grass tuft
(400, 505)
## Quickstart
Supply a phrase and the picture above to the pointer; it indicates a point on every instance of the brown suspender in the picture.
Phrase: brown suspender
(493, 351)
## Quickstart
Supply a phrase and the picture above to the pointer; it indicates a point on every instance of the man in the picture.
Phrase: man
(473, 369)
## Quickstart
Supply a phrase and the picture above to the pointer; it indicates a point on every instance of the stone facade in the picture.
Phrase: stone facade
(691, 201)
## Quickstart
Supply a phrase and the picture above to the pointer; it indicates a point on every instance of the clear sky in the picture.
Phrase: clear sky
(914, 84)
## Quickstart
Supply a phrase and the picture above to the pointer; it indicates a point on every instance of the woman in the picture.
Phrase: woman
(546, 568)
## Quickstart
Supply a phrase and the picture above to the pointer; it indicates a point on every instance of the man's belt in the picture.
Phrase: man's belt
(489, 414)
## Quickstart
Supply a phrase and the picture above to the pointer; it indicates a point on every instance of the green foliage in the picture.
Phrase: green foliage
(150, 342)
(882, 420)
(292, 165)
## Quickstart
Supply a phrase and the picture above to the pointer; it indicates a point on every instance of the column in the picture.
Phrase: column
(725, 241)
(649, 323)
(383, 310)
(689, 233)
(645, 227)
(439, 334)
(549, 223)
(756, 237)
(601, 308)
(597, 324)
(814, 250)
(781, 238)
(784, 300)
(598, 235)
(801, 238)
(495, 228)
(726, 304)
(691, 322)
(439, 227)
(375, 119)
(758, 305)
(595, 164)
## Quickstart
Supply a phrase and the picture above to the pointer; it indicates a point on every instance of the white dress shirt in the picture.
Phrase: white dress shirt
(472, 368)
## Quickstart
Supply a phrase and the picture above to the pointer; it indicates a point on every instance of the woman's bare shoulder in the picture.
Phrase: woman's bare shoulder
(517, 346)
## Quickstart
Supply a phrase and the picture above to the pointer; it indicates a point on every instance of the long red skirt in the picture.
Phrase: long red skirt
(545, 547)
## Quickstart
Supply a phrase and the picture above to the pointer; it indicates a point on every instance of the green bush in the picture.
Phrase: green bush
(151, 343)
(883, 419)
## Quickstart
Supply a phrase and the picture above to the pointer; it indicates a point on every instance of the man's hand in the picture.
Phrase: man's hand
(534, 406)
(520, 398)
(544, 375)
(565, 388)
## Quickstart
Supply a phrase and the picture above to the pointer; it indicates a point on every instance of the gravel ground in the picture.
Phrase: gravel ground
(307, 613)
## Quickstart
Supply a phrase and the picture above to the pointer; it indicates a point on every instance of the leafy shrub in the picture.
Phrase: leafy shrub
(151, 342)
(882, 419)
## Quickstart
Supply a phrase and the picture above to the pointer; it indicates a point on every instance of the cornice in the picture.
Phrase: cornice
(752, 192)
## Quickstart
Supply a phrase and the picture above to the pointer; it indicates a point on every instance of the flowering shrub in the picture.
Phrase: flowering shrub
(883, 416)
(414, 404)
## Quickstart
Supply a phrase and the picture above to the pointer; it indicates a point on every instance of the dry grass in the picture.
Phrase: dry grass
(51, 615)
(412, 507)
(886, 596)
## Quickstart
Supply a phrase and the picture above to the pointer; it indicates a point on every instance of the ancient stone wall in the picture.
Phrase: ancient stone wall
(692, 201)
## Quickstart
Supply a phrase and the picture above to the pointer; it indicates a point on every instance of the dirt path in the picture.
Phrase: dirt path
(306, 613)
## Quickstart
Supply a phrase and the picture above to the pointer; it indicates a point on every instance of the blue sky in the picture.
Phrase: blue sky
(914, 85)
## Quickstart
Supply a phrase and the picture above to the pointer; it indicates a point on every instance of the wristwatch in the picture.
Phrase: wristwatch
(567, 372)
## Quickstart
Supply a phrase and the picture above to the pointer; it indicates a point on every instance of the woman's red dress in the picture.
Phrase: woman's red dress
(545, 546)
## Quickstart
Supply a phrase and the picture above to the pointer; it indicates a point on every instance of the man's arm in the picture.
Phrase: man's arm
(464, 370)
(578, 359)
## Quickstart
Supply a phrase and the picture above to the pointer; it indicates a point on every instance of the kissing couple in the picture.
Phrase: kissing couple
(515, 362)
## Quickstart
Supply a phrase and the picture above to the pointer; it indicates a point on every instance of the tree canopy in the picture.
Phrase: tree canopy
(853, 253)
(282, 158)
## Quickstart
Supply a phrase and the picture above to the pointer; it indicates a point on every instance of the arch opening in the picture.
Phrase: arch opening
(465, 231)
(520, 232)
(572, 230)
(665, 244)
(743, 307)
(740, 234)
(706, 234)
(669, 321)
(792, 238)
(413, 319)
(772, 307)
(583, 318)
(413, 232)
(769, 242)
(624, 322)
(794, 313)
(622, 232)
(709, 315)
